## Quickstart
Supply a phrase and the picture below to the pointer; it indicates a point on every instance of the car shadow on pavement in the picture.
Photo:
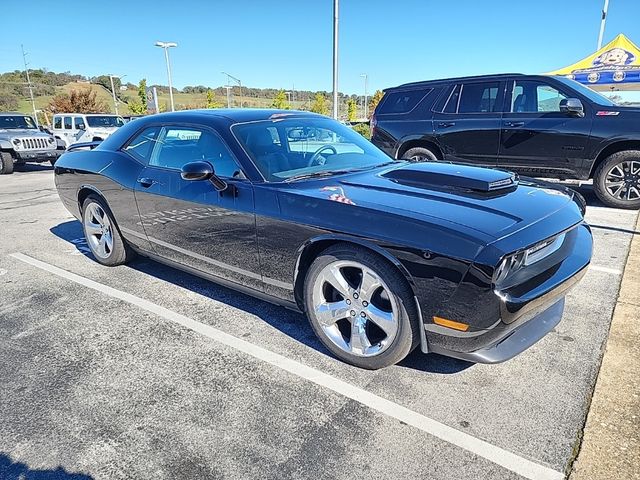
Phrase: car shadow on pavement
(32, 167)
(10, 470)
(289, 322)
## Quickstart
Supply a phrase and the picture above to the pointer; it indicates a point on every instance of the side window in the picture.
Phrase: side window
(79, 123)
(401, 102)
(535, 97)
(67, 123)
(180, 145)
(479, 97)
(57, 123)
(452, 102)
(141, 146)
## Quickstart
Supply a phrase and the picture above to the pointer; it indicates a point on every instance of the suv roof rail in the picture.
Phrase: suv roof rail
(453, 79)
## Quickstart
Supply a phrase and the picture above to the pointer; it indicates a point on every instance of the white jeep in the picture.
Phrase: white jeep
(80, 127)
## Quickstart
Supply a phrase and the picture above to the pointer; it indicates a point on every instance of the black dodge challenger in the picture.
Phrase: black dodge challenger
(292, 207)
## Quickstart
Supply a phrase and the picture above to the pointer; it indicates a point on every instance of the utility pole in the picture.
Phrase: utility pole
(335, 59)
(237, 80)
(113, 92)
(26, 69)
(166, 46)
(602, 23)
(365, 106)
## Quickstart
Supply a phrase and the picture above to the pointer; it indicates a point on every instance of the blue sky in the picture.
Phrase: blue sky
(279, 43)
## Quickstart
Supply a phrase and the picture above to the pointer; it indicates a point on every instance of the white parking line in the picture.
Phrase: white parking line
(497, 455)
(613, 271)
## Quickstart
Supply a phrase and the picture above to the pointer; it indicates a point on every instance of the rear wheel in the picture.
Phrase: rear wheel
(419, 154)
(617, 180)
(102, 235)
(361, 307)
(6, 163)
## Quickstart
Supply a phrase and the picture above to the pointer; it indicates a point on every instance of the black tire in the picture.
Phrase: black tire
(603, 170)
(407, 335)
(53, 161)
(120, 253)
(419, 154)
(6, 163)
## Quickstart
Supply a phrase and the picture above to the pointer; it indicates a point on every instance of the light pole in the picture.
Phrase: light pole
(26, 70)
(365, 106)
(237, 80)
(335, 59)
(602, 23)
(113, 90)
(288, 94)
(166, 46)
(228, 87)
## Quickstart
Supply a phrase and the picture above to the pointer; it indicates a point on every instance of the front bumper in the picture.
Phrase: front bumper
(37, 155)
(526, 312)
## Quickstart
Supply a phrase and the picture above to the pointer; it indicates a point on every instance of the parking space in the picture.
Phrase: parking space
(145, 371)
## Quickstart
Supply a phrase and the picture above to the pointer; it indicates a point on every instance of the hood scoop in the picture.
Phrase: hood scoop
(452, 176)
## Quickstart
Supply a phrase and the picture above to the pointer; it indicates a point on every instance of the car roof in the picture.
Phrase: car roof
(89, 114)
(496, 76)
(235, 115)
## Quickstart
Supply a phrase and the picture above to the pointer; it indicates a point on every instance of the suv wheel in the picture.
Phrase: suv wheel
(361, 307)
(6, 163)
(419, 154)
(617, 180)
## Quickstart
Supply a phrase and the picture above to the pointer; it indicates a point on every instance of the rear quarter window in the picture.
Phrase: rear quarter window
(402, 102)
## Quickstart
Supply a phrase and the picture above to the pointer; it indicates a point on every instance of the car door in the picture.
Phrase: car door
(189, 221)
(538, 138)
(68, 132)
(80, 128)
(467, 128)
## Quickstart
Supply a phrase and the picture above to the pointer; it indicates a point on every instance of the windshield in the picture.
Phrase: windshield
(288, 148)
(16, 121)
(105, 121)
(587, 92)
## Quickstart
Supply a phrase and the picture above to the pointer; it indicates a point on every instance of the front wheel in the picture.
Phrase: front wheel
(6, 163)
(102, 235)
(616, 181)
(361, 307)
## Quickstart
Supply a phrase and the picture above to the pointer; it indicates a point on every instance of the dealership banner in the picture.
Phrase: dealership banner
(618, 62)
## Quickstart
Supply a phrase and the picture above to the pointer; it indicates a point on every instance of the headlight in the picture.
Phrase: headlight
(16, 141)
(524, 258)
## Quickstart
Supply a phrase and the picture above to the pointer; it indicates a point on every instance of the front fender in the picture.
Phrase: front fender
(6, 144)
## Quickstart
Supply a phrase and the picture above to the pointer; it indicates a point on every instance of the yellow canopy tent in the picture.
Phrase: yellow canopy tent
(616, 66)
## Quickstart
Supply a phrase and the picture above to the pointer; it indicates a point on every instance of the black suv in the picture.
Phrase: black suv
(533, 124)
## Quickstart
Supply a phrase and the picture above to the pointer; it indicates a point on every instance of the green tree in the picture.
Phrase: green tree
(138, 106)
(280, 101)
(352, 110)
(363, 129)
(320, 104)
(212, 102)
(374, 101)
(105, 81)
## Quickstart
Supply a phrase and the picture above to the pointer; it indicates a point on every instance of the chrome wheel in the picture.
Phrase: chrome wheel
(623, 180)
(355, 309)
(98, 230)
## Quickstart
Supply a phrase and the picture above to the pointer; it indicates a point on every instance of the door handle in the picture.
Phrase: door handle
(446, 124)
(146, 182)
(514, 124)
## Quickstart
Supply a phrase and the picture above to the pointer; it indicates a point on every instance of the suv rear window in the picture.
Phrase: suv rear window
(402, 102)
(474, 98)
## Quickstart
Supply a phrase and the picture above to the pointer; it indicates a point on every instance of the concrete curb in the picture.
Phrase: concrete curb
(611, 441)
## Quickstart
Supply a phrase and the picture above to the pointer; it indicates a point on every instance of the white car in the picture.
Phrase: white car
(80, 127)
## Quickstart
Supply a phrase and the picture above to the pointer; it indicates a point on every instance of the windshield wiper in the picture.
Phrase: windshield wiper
(324, 173)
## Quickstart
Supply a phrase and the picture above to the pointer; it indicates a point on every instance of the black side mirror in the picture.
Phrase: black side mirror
(572, 106)
(202, 171)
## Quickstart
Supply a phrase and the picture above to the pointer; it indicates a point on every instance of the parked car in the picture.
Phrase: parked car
(536, 125)
(80, 127)
(22, 141)
(382, 255)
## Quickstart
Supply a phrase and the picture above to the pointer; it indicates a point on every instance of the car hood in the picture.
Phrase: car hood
(455, 197)
(22, 132)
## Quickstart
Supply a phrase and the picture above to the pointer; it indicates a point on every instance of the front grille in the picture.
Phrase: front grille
(35, 144)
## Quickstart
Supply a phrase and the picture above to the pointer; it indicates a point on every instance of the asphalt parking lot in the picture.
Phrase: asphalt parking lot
(142, 371)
